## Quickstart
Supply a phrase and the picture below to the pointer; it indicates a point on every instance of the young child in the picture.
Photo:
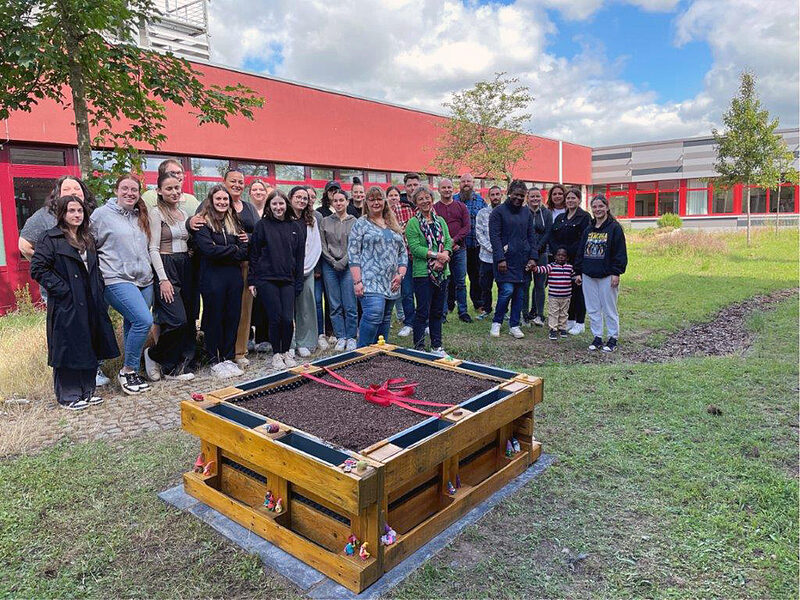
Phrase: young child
(560, 275)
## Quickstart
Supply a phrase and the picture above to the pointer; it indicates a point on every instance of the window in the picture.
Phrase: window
(253, 169)
(618, 205)
(397, 178)
(346, 175)
(377, 177)
(290, 172)
(321, 174)
(151, 161)
(38, 156)
(696, 202)
(646, 185)
(201, 188)
(786, 202)
(29, 196)
(645, 204)
(722, 201)
(617, 187)
(668, 203)
(209, 167)
(669, 184)
(758, 200)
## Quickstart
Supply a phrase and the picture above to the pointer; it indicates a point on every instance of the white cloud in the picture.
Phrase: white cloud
(417, 52)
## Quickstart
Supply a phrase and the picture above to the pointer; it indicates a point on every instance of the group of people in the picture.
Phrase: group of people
(272, 272)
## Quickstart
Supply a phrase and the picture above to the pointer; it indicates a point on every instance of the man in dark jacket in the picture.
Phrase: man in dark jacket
(514, 249)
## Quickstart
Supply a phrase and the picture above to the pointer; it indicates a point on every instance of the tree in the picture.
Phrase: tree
(749, 151)
(486, 131)
(83, 55)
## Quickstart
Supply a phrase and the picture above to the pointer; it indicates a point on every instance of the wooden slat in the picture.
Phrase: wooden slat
(383, 452)
(415, 510)
(353, 575)
(410, 484)
(347, 490)
(479, 469)
(318, 527)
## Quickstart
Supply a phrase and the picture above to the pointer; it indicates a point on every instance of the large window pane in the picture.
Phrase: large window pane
(758, 200)
(346, 175)
(397, 178)
(377, 177)
(321, 174)
(253, 169)
(668, 203)
(209, 167)
(722, 201)
(617, 187)
(29, 196)
(697, 202)
(646, 185)
(619, 205)
(201, 188)
(38, 156)
(646, 205)
(151, 161)
(786, 199)
(669, 184)
(290, 172)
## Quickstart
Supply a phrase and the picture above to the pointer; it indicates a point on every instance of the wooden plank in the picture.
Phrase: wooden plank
(411, 483)
(383, 452)
(347, 490)
(409, 542)
(466, 451)
(350, 574)
(238, 485)
(524, 425)
(479, 469)
(318, 527)
(449, 441)
(224, 393)
(414, 511)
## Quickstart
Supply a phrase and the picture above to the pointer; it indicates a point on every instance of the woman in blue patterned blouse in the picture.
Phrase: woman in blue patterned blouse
(377, 256)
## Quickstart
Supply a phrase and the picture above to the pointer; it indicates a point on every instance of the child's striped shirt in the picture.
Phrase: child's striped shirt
(559, 280)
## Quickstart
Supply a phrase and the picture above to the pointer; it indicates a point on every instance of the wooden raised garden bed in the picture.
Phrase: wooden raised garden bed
(342, 466)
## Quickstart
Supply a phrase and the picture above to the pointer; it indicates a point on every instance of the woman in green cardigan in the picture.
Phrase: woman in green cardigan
(431, 247)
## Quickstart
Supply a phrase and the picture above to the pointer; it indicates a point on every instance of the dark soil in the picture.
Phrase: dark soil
(346, 419)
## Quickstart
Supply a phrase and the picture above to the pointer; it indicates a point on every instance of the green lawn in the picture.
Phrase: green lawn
(651, 494)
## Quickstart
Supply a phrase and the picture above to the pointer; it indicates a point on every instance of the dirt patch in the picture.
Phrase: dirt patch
(347, 419)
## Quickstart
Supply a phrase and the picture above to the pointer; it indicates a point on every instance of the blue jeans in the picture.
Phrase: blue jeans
(506, 292)
(318, 292)
(458, 273)
(375, 319)
(407, 291)
(429, 311)
(133, 303)
(342, 299)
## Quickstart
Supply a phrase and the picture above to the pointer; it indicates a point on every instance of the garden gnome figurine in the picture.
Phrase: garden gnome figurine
(363, 552)
(268, 500)
(279, 506)
(516, 446)
(349, 549)
(199, 463)
(450, 489)
(207, 468)
(389, 536)
(509, 449)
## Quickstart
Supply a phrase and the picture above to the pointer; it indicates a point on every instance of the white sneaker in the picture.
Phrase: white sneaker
(277, 362)
(427, 331)
(538, 321)
(304, 352)
(405, 331)
(495, 330)
(577, 329)
(570, 324)
(243, 361)
(251, 346)
(151, 367)
(233, 368)
(181, 377)
(341, 343)
(439, 352)
(331, 340)
(289, 360)
(322, 342)
(352, 344)
(100, 379)
(290, 353)
(263, 347)
(516, 332)
(220, 370)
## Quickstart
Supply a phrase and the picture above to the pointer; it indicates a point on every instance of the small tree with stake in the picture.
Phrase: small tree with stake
(486, 129)
(749, 151)
(83, 55)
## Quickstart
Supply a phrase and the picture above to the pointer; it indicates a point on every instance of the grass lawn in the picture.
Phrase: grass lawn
(651, 494)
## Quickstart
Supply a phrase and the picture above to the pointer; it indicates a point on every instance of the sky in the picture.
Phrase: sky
(602, 72)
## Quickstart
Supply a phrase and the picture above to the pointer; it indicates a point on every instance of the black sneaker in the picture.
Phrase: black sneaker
(94, 400)
(563, 333)
(553, 334)
(465, 317)
(610, 345)
(76, 405)
(131, 383)
(596, 344)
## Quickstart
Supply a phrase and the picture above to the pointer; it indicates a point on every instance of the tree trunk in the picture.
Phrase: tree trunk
(777, 208)
(748, 214)
(81, 112)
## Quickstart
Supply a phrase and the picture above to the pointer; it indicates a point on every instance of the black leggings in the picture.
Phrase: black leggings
(277, 298)
(221, 288)
(577, 305)
(174, 350)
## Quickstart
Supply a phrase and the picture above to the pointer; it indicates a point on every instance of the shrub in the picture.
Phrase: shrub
(669, 220)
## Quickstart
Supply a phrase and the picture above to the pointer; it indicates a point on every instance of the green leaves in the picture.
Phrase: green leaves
(117, 89)
(486, 132)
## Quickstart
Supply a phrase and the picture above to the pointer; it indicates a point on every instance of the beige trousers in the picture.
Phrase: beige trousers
(243, 333)
(557, 313)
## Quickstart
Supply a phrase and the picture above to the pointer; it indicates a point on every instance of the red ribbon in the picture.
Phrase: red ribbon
(392, 391)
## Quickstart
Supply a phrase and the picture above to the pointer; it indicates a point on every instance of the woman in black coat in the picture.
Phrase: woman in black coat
(79, 332)
(568, 227)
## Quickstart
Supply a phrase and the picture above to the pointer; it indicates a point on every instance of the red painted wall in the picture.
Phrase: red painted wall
(307, 126)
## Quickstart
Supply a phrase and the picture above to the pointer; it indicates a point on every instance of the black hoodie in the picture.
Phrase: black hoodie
(602, 251)
(277, 252)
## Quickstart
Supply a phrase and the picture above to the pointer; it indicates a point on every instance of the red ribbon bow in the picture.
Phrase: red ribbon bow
(392, 391)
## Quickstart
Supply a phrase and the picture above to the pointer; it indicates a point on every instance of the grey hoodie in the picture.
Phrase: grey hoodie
(122, 247)
(334, 233)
